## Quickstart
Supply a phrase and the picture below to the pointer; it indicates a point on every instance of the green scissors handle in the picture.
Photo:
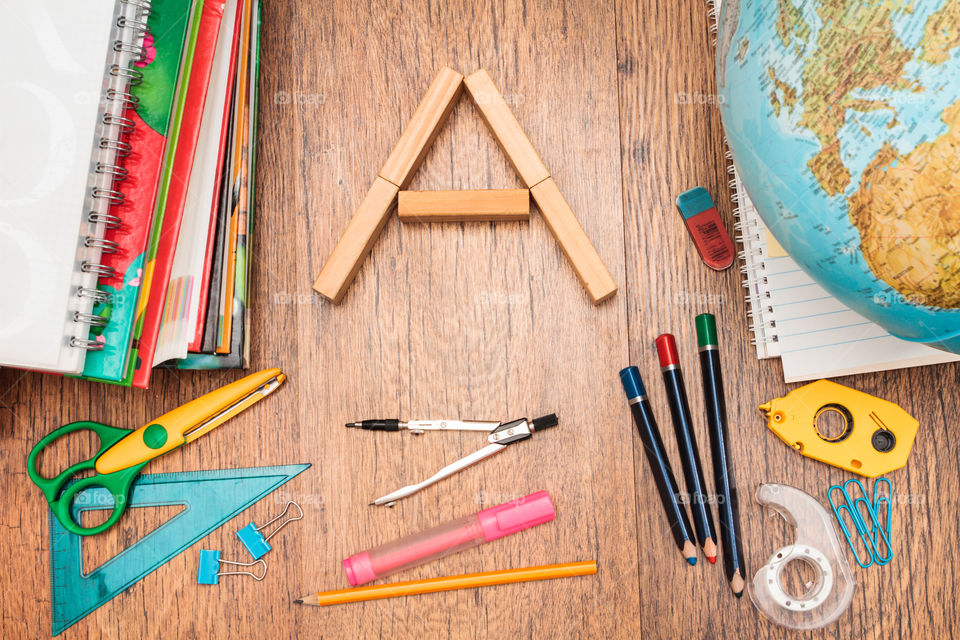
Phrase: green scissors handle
(60, 491)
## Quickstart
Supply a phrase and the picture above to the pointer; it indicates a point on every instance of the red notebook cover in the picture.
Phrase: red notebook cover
(215, 204)
(196, 89)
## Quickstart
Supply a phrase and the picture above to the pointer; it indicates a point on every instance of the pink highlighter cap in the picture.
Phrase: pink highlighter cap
(516, 515)
(359, 569)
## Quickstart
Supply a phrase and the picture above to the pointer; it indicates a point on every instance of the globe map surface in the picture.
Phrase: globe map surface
(844, 122)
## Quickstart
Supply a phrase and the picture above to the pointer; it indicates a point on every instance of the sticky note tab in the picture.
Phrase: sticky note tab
(254, 541)
(209, 567)
(774, 248)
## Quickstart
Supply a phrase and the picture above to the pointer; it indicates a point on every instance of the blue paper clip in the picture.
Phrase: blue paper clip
(255, 542)
(883, 523)
(208, 571)
(861, 511)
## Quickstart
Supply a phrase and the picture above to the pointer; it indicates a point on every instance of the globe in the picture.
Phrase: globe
(843, 119)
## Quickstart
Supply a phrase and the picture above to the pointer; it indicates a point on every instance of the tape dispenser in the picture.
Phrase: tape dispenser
(876, 436)
(816, 544)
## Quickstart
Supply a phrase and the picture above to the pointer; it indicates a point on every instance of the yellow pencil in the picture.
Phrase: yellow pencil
(466, 581)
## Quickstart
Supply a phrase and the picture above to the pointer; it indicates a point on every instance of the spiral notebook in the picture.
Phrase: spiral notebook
(149, 135)
(63, 109)
(793, 318)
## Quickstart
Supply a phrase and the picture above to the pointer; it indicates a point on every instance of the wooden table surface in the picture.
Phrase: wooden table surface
(482, 321)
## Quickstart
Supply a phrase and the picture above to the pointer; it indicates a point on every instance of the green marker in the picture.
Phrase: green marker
(713, 400)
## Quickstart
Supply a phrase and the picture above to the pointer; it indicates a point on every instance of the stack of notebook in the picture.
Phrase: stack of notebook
(125, 203)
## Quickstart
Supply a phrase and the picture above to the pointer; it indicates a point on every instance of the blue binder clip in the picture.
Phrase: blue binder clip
(254, 540)
(208, 571)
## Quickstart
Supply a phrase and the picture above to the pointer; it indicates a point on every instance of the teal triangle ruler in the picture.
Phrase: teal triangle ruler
(210, 498)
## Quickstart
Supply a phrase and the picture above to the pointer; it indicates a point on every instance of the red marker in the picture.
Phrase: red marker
(687, 445)
(706, 228)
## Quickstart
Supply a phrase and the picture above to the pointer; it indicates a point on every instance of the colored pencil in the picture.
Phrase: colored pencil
(448, 583)
(687, 443)
(659, 464)
(713, 400)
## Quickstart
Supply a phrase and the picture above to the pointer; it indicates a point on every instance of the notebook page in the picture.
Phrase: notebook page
(820, 337)
(56, 52)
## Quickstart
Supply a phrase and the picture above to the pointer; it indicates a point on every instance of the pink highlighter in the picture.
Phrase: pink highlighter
(449, 537)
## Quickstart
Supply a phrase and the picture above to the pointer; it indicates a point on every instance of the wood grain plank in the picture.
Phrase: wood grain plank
(483, 321)
(477, 320)
(671, 140)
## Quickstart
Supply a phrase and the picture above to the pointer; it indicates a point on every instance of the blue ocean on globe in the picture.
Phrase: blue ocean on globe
(761, 59)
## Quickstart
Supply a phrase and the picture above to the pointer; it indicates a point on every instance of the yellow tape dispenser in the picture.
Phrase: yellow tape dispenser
(874, 437)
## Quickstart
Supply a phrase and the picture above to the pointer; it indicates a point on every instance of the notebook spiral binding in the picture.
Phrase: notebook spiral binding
(113, 145)
(713, 12)
(753, 263)
(748, 237)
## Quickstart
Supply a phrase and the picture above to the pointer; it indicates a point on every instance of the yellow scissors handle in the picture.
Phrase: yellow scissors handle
(188, 422)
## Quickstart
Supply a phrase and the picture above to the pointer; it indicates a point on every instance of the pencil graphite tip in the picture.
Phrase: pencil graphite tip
(689, 552)
(352, 425)
(712, 560)
(692, 561)
(298, 601)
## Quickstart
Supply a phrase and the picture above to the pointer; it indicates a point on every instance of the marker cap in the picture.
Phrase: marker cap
(667, 350)
(516, 515)
(706, 330)
(632, 383)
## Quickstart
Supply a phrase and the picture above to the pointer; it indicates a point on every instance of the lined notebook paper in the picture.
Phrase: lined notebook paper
(816, 336)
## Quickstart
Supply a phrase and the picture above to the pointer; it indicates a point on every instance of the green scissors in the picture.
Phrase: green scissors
(124, 452)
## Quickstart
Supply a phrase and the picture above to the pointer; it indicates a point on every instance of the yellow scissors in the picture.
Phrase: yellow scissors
(124, 452)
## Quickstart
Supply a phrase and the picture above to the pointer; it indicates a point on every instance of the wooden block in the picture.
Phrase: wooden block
(420, 132)
(357, 240)
(574, 241)
(484, 205)
(505, 128)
